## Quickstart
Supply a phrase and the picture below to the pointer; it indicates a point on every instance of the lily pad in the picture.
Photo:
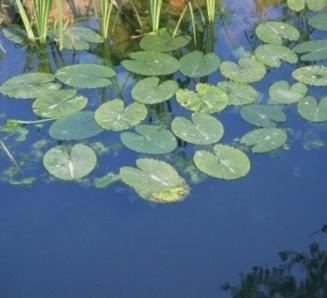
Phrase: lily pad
(203, 129)
(196, 64)
(248, 70)
(319, 21)
(284, 93)
(272, 54)
(113, 115)
(15, 34)
(263, 115)
(149, 139)
(313, 111)
(59, 104)
(70, 165)
(85, 75)
(314, 5)
(151, 63)
(155, 180)
(265, 139)
(150, 91)
(207, 99)
(238, 93)
(80, 38)
(315, 75)
(225, 162)
(77, 126)
(313, 50)
(29, 85)
(275, 32)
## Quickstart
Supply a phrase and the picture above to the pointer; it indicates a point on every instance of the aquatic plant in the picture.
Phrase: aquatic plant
(211, 10)
(154, 9)
(106, 11)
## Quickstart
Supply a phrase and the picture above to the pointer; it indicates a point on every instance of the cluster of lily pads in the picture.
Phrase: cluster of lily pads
(55, 97)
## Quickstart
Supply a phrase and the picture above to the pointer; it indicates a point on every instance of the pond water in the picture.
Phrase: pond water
(71, 239)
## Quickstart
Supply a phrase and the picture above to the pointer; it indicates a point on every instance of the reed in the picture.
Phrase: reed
(60, 31)
(154, 8)
(26, 21)
(41, 13)
(211, 10)
(106, 11)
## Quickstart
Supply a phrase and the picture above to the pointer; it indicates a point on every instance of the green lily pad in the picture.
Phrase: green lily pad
(238, 93)
(225, 162)
(80, 38)
(70, 165)
(248, 70)
(150, 91)
(284, 93)
(315, 75)
(207, 99)
(272, 54)
(203, 129)
(15, 34)
(113, 115)
(275, 32)
(319, 21)
(263, 115)
(151, 63)
(59, 104)
(314, 5)
(85, 75)
(77, 126)
(265, 139)
(313, 50)
(313, 111)
(155, 180)
(29, 85)
(196, 64)
(149, 139)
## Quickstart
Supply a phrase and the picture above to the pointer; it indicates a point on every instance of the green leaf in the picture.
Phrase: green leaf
(149, 139)
(150, 91)
(319, 21)
(313, 111)
(106, 180)
(314, 5)
(15, 34)
(263, 115)
(85, 75)
(248, 70)
(313, 50)
(151, 63)
(70, 165)
(203, 129)
(80, 38)
(196, 64)
(225, 162)
(282, 93)
(77, 126)
(274, 32)
(238, 93)
(272, 54)
(265, 139)
(315, 75)
(207, 99)
(113, 115)
(59, 104)
(155, 180)
(29, 85)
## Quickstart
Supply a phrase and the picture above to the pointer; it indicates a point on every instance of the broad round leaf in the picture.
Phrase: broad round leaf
(225, 162)
(264, 139)
(80, 38)
(77, 126)
(282, 93)
(203, 129)
(155, 180)
(315, 75)
(113, 115)
(298, 5)
(85, 75)
(150, 91)
(319, 21)
(149, 139)
(238, 93)
(70, 165)
(313, 111)
(313, 50)
(15, 34)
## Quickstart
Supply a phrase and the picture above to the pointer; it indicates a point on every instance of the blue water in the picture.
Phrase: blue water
(69, 240)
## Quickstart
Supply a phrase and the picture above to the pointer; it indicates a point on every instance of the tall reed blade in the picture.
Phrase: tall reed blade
(154, 7)
(106, 11)
(26, 22)
(41, 13)
(60, 24)
(211, 10)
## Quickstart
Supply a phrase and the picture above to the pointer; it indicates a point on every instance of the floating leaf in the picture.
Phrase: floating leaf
(59, 104)
(248, 70)
(264, 139)
(314, 5)
(282, 93)
(149, 91)
(206, 99)
(238, 93)
(149, 139)
(15, 34)
(225, 162)
(313, 111)
(70, 165)
(29, 85)
(106, 180)
(85, 75)
(80, 38)
(113, 115)
(263, 115)
(313, 50)
(203, 129)
(315, 75)
(151, 63)
(155, 180)
(77, 126)
(274, 32)
(319, 21)
(196, 64)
